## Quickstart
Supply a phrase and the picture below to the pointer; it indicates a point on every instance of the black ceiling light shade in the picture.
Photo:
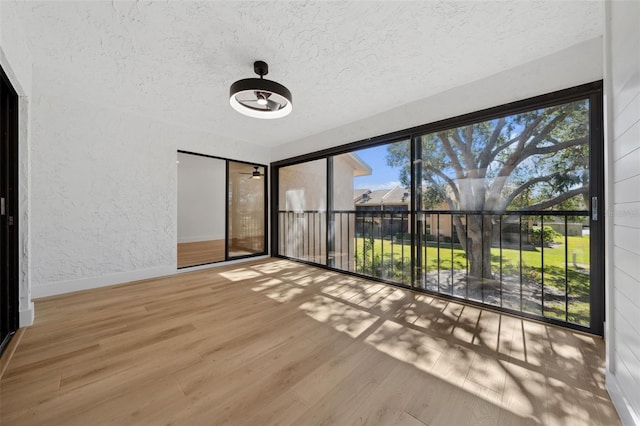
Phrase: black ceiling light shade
(260, 98)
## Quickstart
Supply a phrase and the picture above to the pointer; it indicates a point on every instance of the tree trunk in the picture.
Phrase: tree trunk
(478, 249)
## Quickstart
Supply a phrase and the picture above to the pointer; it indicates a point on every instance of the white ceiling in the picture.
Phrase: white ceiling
(343, 61)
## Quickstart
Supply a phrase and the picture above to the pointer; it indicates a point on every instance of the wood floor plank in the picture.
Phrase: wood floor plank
(200, 252)
(341, 404)
(274, 342)
(407, 419)
(387, 404)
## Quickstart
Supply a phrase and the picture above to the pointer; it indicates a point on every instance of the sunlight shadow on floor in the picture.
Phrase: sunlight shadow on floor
(507, 361)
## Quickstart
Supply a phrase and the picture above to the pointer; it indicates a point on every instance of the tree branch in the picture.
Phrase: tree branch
(465, 148)
(550, 125)
(473, 167)
(458, 140)
(531, 150)
(446, 145)
(557, 200)
(444, 177)
(485, 156)
(516, 157)
(555, 148)
(492, 156)
(526, 185)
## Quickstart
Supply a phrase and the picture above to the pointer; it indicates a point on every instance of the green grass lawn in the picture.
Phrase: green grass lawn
(557, 271)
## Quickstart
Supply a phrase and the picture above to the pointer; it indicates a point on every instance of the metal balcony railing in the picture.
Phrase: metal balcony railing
(535, 262)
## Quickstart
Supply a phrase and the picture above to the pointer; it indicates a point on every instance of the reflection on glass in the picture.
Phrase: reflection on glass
(201, 210)
(246, 209)
(302, 209)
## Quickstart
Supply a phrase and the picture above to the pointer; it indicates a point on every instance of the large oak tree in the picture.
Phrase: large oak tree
(535, 160)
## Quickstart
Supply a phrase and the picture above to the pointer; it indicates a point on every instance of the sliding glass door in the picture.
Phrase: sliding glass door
(498, 208)
(221, 209)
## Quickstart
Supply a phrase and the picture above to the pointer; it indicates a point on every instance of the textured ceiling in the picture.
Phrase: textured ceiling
(343, 61)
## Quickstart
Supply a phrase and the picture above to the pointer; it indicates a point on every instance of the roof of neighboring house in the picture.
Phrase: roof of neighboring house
(360, 168)
(397, 196)
(393, 196)
(358, 194)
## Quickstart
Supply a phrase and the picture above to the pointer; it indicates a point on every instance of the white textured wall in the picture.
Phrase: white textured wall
(303, 187)
(15, 56)
(343, 175)
(16, 61)
(344, 225)
(201, 198)
(104, 190)
(623, 244)
(579, 64)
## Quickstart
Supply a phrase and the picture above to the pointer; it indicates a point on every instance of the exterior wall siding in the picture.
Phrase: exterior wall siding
(623, 246)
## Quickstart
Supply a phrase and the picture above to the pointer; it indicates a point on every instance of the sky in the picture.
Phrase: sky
(382, 176)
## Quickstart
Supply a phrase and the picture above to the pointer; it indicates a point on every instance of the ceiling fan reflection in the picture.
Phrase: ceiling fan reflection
(255, 174)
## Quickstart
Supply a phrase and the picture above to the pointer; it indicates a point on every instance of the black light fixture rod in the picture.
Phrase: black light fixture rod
(261, 68)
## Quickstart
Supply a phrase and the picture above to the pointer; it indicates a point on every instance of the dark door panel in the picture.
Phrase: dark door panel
(8, 211)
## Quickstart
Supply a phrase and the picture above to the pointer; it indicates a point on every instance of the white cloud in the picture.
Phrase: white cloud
(376, 186)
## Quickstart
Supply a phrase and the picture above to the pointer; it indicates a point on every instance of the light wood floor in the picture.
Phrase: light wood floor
(276, 342)
(200, 253)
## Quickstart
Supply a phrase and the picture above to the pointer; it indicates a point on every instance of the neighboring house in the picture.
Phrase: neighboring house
(395, 199)
(440, 226)
(382, 212)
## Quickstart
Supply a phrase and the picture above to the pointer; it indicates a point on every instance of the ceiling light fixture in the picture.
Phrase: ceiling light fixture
(255, 174)
(260, 98)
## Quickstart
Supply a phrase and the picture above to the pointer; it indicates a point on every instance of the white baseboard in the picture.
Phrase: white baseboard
(61, 287)
(218, 264)
(628, 415)
(27, 316)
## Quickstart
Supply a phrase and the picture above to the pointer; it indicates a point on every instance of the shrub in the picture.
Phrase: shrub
(546, 235)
